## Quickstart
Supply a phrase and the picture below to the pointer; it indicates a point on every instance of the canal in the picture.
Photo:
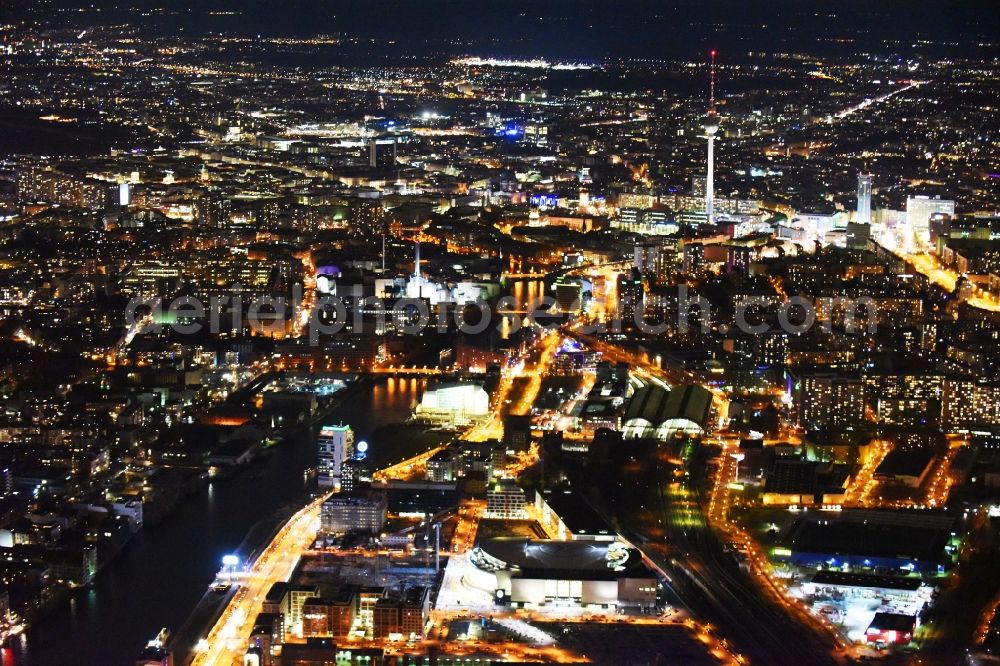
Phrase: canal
(162, 574)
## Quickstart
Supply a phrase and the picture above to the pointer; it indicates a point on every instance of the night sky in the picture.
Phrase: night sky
(587, 28)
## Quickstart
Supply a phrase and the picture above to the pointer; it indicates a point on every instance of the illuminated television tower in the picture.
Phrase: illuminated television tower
(711, 127)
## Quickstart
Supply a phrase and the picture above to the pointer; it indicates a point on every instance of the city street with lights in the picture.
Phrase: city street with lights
(591, 332)
(225, 643)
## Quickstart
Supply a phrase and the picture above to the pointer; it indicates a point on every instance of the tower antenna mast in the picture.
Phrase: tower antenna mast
(711, 125)
(711, 88)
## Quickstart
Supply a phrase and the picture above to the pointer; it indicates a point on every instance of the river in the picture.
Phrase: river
(163, 573)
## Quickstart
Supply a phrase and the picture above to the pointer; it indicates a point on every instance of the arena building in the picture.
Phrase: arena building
(538, 574)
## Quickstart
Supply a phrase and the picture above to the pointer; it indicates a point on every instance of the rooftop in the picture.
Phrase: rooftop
(846, 579)
(578, 516)
(835, 536)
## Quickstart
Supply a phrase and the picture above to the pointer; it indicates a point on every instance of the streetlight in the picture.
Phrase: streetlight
(229, 563)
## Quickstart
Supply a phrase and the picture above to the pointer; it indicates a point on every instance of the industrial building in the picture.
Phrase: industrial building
(868, 540)
(655, 412)
(905, 590)
(891, 629)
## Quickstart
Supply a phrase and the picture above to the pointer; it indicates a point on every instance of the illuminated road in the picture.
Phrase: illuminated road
(134, 329)
(753, 615)
(533, 369)
(708, 579)
(862, 492)
(406, 469)
(851, 110)
(226, 643)
(946, 278)
(862, 489)
(725, 477)
(941, 480)
(539, 359)
(304, 309)
(986, 619)
(753, 612)
(754, 558)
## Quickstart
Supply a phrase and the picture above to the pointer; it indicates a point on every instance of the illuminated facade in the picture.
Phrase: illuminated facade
(352, 513)
(456, 403)
(970, 405)
(830, 401)
(335, 445)
(540, 574)
(919, 210)
(505, 500)
(864, 198)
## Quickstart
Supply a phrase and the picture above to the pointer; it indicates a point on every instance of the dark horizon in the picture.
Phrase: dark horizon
(578, 30)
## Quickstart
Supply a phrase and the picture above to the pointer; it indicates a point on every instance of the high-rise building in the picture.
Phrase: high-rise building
(858, 235)
(387, 617)
(441, 466)
(828, 400)
(694, 259)
(335, 445)
(698, 188)
(656, 259)
(864, 198)
(356, 472)
(630, 293)
(970, 404)
(366, 217)
(920, 209)
(353, 513)
(332, 616)
(569, 295)
(404, 614)
(771, 348)
(646, 222)
(739, 258)
(939, 226)
(516, 432)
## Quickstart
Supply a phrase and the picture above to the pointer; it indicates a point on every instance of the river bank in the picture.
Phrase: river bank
(162, 575)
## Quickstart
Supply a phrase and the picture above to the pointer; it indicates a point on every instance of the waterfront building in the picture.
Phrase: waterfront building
(335, 445)
(353, 513)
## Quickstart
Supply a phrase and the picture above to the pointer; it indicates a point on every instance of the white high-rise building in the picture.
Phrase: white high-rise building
(864, 198)
(919, 210)
(124, 194)
(335, 445)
